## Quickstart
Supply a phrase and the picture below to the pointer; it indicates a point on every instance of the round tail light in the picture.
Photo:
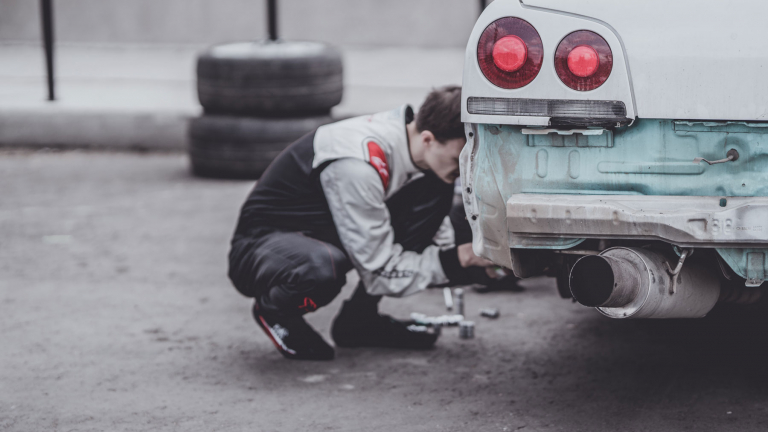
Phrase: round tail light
(510, 53)
(583, 60)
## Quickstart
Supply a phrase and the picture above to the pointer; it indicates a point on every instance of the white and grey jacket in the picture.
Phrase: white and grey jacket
(356, 196)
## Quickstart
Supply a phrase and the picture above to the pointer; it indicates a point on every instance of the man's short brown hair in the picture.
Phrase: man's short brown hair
(441, 114)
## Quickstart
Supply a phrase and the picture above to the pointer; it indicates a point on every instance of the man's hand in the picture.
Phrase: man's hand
(467, 257)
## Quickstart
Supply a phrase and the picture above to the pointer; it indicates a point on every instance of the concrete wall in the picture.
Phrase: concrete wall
(422, 23)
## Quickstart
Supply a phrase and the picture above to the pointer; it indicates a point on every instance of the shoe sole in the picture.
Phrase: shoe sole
(284, 350)
(279, 344)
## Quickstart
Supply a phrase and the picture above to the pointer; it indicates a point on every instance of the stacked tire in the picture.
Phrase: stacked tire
(257, 98)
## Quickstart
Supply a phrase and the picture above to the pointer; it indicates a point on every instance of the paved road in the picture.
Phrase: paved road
(117, 315)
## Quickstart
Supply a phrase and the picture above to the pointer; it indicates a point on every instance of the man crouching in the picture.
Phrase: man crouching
(369, 193)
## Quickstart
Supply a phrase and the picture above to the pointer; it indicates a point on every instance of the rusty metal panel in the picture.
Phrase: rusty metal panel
(652, 158)
(682, 220)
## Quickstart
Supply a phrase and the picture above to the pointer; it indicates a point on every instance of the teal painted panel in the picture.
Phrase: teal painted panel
(651, 157)
(575, 140)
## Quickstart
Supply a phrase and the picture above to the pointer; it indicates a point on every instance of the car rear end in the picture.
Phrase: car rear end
(622, 147)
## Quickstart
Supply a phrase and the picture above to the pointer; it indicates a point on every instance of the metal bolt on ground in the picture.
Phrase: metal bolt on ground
(467, 329)
(459, 293)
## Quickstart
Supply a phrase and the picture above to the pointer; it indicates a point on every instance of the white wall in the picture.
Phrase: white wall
(421, 23)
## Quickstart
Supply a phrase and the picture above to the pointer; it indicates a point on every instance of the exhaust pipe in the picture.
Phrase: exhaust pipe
(635, 283)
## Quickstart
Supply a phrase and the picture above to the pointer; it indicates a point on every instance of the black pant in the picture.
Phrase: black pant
(292, 272)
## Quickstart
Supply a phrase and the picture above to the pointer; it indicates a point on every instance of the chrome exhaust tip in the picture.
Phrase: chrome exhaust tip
(604, 281)
(635, 283)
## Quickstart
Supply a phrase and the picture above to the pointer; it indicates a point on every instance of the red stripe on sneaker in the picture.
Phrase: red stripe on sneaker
(309, 305)
(275, 339)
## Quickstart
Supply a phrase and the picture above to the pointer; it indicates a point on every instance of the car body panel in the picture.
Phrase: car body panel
(688, 59)
(552, 28)
(502, 163)
(691, 76)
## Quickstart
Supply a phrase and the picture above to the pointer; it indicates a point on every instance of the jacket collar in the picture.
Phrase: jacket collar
(406, 114)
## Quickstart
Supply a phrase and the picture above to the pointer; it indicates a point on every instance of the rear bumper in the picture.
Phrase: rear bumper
(548, 191)
(694, 221)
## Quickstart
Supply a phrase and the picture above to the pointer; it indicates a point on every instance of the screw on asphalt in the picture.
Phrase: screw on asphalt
(448, 297)
(459, 293)
(489, 312)
(467, 329)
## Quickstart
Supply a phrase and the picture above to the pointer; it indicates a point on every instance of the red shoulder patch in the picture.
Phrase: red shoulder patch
(378, 160)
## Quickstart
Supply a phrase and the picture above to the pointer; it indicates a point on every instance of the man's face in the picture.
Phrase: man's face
(443, 157)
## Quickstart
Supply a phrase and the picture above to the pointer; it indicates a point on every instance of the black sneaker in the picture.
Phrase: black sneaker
(353, 328)
(293, 337)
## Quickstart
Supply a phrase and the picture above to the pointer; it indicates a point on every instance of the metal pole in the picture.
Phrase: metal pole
(272, 19)
(46, 13)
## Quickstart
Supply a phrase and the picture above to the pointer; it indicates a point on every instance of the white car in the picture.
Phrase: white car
(621, 146)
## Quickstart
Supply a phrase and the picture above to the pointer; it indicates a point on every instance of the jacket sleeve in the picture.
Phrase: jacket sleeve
(355, 195)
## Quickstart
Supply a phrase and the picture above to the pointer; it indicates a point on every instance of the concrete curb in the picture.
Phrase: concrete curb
(91, 130)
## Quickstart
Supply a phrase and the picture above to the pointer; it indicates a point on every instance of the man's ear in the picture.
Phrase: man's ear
(428, 138)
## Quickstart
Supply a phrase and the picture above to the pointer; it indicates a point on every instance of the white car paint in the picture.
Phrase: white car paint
(698, 60)
(552, 28)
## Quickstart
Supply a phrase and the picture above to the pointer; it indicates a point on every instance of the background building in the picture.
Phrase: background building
(413, 23)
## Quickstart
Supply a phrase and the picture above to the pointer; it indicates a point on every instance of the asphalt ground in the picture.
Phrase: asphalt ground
(117, 315)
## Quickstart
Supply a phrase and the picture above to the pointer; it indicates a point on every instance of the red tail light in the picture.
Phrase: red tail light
(510, 53)
(583, 60)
